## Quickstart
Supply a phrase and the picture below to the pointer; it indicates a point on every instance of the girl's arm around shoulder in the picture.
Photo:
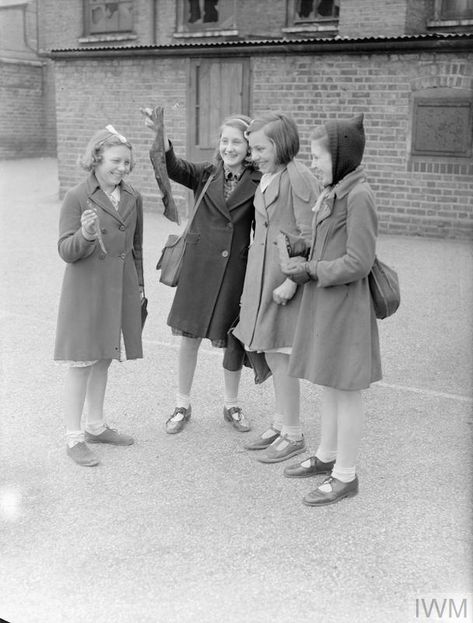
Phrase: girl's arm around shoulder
(72, 245)
(362, 228)
(138, 240)
(306, 189)
(183, 172)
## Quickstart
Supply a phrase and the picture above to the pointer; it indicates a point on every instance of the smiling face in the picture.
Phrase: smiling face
(322, 161)
(232, 147)
(263, 152)
(115, 164)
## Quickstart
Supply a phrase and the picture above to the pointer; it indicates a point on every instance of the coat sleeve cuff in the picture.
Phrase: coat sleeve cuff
(311, 269)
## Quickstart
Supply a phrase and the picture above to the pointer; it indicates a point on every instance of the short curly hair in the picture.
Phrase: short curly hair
(99, 142)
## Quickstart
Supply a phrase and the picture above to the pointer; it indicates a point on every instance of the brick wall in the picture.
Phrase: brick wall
(92, 93)
(368, 18)
(22, 107)
(61, 24)
(438, 202)
(261, 19)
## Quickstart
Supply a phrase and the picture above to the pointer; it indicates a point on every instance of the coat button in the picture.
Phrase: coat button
(224, 253)
(122, 228)
(266, 223)
(104, 231)
(123, 255)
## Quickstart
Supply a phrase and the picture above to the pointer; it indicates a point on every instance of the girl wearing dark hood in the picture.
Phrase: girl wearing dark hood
(336, 343)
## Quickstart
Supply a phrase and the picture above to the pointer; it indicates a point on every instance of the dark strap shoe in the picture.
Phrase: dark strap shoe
(178, 420)
(315, 468)
(237, 419)
(260, 442)
(331, 491)
(282, 449)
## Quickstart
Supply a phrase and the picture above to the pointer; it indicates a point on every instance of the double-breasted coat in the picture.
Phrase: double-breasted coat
(100, 297)
(286, 205)
(336, 342)
(207, 298)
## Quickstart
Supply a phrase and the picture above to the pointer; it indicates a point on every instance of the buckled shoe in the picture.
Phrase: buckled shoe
(278, 451)
(331, 491)
(235, 416)
(178, 420)
(316, 467)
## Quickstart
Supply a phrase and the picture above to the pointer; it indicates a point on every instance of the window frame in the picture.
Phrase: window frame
(441, 17)
(297, 21)
(184, 28)
(88, 32)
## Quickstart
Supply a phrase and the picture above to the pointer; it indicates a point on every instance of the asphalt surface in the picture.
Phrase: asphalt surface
(190, 528)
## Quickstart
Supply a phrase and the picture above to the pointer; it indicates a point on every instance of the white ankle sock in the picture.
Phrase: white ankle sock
(73, 437)
(344, 474)
(231, 403)
(326, 455)
(95, 427)
(182, 400)
(294, 433)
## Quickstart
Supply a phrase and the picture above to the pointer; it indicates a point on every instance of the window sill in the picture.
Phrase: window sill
(205, 33)
(448, 23)
(129, 36)
(312, 28)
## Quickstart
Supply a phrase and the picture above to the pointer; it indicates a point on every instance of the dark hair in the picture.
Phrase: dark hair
(101, 140)
(282, 131)
(239, 122)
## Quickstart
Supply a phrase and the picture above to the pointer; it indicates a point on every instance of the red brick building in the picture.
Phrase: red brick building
(407, 64)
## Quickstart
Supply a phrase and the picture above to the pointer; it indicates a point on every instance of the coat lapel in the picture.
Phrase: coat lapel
(214, 194)
(127, 203)
(245, 190)
(272, 191)
(325, 209)
(98, 197)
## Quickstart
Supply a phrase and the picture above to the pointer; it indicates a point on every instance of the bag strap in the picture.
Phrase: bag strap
(197, 203)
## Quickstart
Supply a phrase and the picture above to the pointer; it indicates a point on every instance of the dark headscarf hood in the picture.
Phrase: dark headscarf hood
(346, 140)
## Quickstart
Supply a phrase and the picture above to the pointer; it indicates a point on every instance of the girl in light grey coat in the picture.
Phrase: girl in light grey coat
(99, 319)
(270, 301)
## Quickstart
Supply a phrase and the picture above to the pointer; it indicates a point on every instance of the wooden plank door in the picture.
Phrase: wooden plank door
(217, 88)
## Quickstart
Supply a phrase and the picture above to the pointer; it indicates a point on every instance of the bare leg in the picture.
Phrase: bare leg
(95, 397)
(287, 394)
(286, 389)
(187, 363)
(327, 450)
(350, 428)
(232, 385)
(74, 398)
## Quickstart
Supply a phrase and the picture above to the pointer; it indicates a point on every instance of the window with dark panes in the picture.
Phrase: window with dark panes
(198, 15)
(442, 127)
(454, 9)
(109, 17)
(316, 10)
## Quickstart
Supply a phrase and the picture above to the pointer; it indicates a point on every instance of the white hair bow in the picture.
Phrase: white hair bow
(112, 130)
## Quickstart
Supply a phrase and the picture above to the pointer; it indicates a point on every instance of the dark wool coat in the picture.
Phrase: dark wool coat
(336, 342)
(207, 297)
(100, 295)
(286, 205)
